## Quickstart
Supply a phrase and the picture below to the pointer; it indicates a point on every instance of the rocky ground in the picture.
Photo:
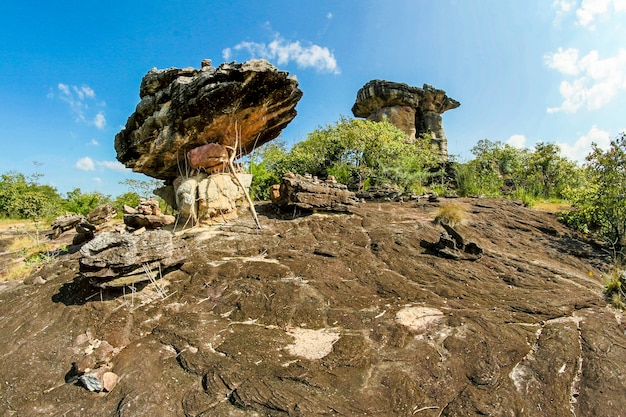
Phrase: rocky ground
(343, 314)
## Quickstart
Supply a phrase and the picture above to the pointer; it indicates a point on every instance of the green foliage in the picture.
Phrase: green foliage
(600, 204)
(130, 199)
(547, 174)
(536, 174)
(266, 166)
(82, 203)
(23, 198)
(358, 153)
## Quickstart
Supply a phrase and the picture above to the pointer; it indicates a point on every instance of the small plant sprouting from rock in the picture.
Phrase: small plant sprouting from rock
(451, 215)
(615, 287)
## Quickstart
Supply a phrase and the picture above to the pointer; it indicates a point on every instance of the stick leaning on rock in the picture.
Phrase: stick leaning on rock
(232, 150)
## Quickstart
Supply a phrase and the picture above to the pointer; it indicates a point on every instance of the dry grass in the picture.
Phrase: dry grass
(552, 206)
(615, 286)
(451, 214)
(23, 257)
(27, 225)
(21, 243)
(17, 271)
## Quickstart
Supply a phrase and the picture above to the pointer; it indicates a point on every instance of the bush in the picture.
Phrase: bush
(83, 203)
(358, 153)
(600, 204)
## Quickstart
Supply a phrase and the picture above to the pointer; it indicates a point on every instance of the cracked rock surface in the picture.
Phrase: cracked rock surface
(342, 314)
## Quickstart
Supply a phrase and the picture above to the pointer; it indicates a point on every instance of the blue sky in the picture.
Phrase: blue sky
(524, 71)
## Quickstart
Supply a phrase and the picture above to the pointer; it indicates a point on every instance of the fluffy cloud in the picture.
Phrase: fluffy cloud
(113, 166)
(517, 141)
(85, 164)
(88, 164)
(99, 121)
(282, 52)
(582, 147)
(589, 12)
(79, 98)
(596, 81)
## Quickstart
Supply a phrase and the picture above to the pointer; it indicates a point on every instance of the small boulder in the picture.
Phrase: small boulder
(307, 192)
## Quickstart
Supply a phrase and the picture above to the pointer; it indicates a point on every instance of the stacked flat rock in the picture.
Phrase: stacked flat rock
(114, 259)
(147, 214)
(310, 193)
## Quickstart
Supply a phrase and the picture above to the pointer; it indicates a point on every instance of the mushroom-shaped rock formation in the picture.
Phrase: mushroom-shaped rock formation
(182, 109)
(414, 110)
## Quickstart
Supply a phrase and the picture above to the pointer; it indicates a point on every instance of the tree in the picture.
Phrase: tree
(266, 166)
(493, 163)
(539, 173)
(546, 173)
(600, 204)
(144, 188)
(82, 203)
(25, 199)
(361, 153)
(130, 199)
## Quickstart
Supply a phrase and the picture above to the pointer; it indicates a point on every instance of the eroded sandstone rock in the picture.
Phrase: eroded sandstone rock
(206, 198)
(310, 193)
(183, 109)
(414, 110)
(113, 258)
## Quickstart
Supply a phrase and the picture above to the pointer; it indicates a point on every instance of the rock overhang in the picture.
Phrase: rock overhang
(181, 109)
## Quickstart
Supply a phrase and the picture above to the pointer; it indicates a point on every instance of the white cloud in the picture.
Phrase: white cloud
(564, 61)
(79, 98)
(563, 8)
(113, 166)
(517, 141)
(582, 147)
(93, 142)
(598, 80)
(64, 89)
(588, 12)
(85, 164)
(97, 180)
(99, 121)
(329, 15)
(227, 54)
(279, 50)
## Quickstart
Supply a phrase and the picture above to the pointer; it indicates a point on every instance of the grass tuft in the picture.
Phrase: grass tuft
(615, 287)
(451, 215)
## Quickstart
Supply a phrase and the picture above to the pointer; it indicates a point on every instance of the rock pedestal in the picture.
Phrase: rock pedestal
(207, 198)
(414, 110)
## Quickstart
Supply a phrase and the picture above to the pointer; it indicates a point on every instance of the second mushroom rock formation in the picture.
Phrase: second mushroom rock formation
(413, 110)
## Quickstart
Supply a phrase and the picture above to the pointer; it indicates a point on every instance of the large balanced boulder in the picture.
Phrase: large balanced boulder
(183, 109)
(414, 110)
